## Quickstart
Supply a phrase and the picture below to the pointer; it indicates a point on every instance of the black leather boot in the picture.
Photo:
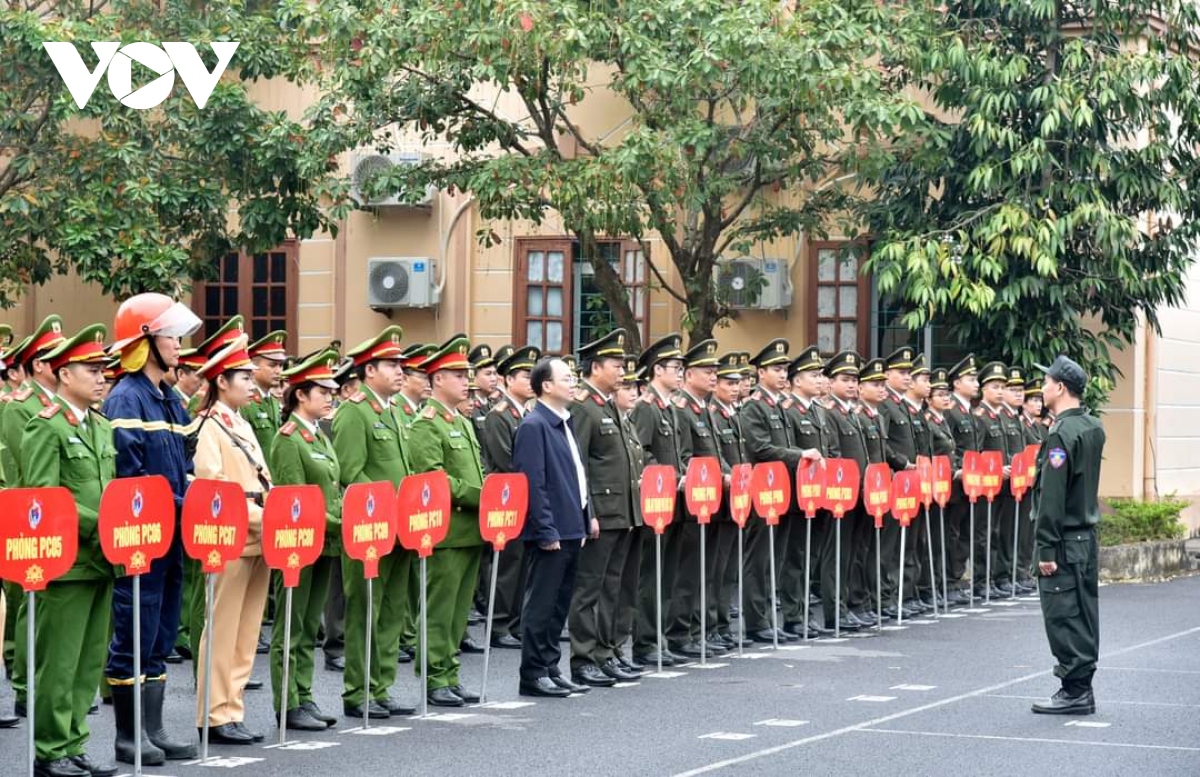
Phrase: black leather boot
(152, 700)
(127, 739)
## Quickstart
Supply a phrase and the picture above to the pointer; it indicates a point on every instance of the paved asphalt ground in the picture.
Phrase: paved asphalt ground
(947, 697)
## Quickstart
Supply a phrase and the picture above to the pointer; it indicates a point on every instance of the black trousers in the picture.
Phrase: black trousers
(510, 587)
(844, 529)
(335, 616)
(548, 589)
(721, 545)
(682, 624)
(595, 606)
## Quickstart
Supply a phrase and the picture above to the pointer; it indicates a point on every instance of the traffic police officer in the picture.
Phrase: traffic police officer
(369, 442)
(442, 439)
(70, 445)
(1066, 511)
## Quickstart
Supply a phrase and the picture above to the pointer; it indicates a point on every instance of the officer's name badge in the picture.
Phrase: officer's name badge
(380, 425)
(455, 433)
(1057, 457)
(319, 456)
(607, 421)
(75, 441)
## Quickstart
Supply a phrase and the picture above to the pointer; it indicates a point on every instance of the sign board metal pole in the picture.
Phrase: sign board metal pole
(287, 654)
(741, 601)
(932, 568)
(487, 628)
(900, 575)
(987, 559)
(209, 594)
(878, 579)
(30, 694)
(703, 595)
(837, 578)
(658, 597)
(945, 573)
(1012, 581)
(137, 675)
(971, 580)
(424, 638)
(774, 592)
(366, 704)
(807, 571)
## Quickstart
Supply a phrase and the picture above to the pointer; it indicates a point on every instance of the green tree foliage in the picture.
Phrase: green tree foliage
(135, 200)
(1049, 200)
(723, 119)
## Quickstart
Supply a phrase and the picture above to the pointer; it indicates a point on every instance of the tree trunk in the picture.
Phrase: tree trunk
(614, 292)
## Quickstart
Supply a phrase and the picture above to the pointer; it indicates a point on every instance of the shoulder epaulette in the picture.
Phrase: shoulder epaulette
(680, 402)
(581, 394)
(786, 404)
(358, 398)
(499, 406)
(22, 395)
(429, 413)
(979, 411)
(50, 411)
(288, 429)
(648, 398)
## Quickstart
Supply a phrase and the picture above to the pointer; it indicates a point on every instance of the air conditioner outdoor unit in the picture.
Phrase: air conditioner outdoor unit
(747, 283)
(401, 282)
(365, 165)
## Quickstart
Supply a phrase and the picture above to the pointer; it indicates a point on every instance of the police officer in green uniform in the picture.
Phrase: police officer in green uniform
(1066, 511)
(842, 370)
(70, 445)
(499, 428)
(989, 430)
(604, 452)
(866, 578)
(964, 384)
(768, 438)
(264, 412)
(26, 403)
(722, 540)
(187, 386)
(301, 454)
(1005, 509)
(696, 439)
(369, 443)
(443, 439)
(1035, 433)
(941, 439)
(658, 429)
(811, 428)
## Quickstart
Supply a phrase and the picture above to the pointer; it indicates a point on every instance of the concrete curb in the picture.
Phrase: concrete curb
(1149, 560)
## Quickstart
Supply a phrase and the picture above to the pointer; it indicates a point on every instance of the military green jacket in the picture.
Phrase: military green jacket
(852, 441)
(190, 404)
(989, 430)
(811, 427)
(658, 429)
(444, 439)
(768, 436)
(264, 414)
(1068, 479)
(941, 436)
(633, 446)
(1035, 430)
(728, 430)
(368, 441)
(26, 403)
(496, 441)
(1014, 432)
(56, 451)
(405, 411)
(604, 449)
(900, 447)
(962, 426)
(871, 421)
(298, 458)
(920, 426)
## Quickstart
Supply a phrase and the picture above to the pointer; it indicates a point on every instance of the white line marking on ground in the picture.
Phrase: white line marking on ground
(793, 647)
(1105, 701)
(893, 628)
(752, 656)
(507, 705)
(377, 731)
(626, 685)
(1040, 740)
(975, 611)
(718, 765)
(872, 699)
(728, 735)
(911, 687)
(952, 615)
(665, 675)
(450, 717)
(709, 666)
(782, 723)
(1087, 724)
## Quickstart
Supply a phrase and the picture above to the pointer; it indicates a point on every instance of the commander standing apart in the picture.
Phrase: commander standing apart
(545, 450)
(1066, 512)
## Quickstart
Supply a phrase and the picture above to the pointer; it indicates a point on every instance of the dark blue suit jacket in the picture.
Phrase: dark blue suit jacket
(541, 451)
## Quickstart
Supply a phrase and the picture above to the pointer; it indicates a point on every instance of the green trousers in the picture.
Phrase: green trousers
(308, 602)
(71, 624)
(452, 573)
(192, 578)
(389, 596)
(14, 638)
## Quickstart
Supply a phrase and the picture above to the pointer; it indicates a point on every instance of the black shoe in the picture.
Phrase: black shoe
(614, 669)
(228, 734)
(184, 651)
(590, 674)
(1026, 587)
(406, 655)
(470, 697)
(60, 767)
(444, 697)
(564, 635)
(631, 665)
(914, 606)
(476, 616)
(298, 719)
(543, 686)
(469, 645)
(264, 646)
(735, 611)
(254, 735)
(19, 709)
(395, 706)
(569, 686)
(716, 646)
(254, 685)
(688, 649)
(312, 709)
(848, 623)
(1006, 589)
(787, 635)
(651, 659)
(174, 657)
(765, 635)
(1063, 704)
(93, 768)
(337, 663)
(506, 641)
(9, 721)
(374, 711)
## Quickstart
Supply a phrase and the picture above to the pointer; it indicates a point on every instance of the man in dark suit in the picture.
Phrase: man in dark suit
(557, 521)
